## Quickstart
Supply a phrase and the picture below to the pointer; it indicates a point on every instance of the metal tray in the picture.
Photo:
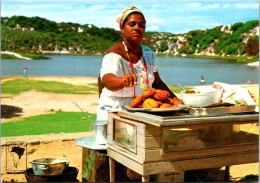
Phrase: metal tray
(90, 142)
(166, 109)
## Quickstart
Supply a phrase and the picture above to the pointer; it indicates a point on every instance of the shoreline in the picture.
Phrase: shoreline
(91, 79)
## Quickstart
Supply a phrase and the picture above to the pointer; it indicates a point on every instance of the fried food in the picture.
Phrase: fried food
(137, 101)
(161, 95)
(164, 105)
(189, 91)
(150, 103)
(177, 101)
(148, 92)
(169, 101)
(159, 103)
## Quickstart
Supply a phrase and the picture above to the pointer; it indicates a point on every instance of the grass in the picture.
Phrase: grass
(33, 56)
(6, 56)
(240, 59)
(17, 86)
(29, 55)
(59, 122)
(177, 89)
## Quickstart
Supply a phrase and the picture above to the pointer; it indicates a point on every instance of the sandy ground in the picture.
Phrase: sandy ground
(63, 145)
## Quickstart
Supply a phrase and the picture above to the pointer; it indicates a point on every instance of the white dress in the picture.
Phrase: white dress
(117, 65)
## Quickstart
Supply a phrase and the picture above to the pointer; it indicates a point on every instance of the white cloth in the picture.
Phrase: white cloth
(117, 65)
(235, 94)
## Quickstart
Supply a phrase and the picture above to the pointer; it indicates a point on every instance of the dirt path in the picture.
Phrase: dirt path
(33, 103)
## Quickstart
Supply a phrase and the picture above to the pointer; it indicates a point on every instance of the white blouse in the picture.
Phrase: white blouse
(117, 65)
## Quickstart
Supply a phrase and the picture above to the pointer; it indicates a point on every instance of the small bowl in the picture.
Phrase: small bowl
(203, 97)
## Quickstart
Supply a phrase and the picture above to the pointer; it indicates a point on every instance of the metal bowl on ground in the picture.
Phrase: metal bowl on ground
(49, 166)
(69, 175)
(202, 97)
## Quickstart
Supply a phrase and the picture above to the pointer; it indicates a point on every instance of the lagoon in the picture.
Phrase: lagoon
(173, 70)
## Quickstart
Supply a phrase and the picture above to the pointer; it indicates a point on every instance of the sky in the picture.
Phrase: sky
(174, 16)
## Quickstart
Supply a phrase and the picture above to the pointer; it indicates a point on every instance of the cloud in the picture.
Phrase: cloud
(212, 6)
(247, 5)
(226, 6)
(153, 28)
(154, 20)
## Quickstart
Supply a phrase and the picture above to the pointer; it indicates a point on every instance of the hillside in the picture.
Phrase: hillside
(39, 35)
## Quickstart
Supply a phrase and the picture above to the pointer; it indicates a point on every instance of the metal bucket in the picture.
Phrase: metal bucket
(101, 131)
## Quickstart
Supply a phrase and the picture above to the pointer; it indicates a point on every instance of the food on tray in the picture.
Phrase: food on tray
(137, 101)
(165, 105)
(189, 91)
(152, 98)
(169, 101)
(161, 95)
(148, 92)
(150, 103)
(176, 101)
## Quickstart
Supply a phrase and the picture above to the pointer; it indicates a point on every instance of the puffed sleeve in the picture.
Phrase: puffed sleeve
(111, 64)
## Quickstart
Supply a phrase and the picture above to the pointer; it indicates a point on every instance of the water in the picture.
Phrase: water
(173, 70)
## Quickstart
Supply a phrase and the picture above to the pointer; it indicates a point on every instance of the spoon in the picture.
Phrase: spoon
(84, 113)
(182, 87)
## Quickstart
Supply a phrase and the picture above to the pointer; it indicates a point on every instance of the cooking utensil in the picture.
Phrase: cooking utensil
(182, 87)
(100, 127)
(69, 175)
(49, 166)
(84, 112)
(202, 97)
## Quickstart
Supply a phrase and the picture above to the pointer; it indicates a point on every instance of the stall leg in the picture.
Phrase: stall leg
(112, 169)
(227, 173)
(146, 178)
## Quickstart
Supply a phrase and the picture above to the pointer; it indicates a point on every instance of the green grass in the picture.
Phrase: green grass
(33, 56)
(240, 59)
(66, 122)
(6, 56)
(177, 89)
(17, 86)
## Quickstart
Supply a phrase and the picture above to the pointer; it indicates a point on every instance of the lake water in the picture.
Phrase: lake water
(173, 70)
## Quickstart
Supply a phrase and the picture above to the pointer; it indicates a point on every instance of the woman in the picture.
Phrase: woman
(128, 68)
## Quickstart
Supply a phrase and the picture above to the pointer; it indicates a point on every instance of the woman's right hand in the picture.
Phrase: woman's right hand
(129, 80)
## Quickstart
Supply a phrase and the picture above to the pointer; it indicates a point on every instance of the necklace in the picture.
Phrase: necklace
(132, 68)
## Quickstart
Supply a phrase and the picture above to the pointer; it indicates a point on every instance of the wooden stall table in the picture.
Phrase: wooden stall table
(154, 142)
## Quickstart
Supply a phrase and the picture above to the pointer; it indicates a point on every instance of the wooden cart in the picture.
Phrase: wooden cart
(153, 143)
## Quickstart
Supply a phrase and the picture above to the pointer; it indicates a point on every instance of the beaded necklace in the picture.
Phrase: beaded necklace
(132, 67)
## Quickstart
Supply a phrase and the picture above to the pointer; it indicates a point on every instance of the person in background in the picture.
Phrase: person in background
(202, 80)
(25, 72)
(250, 82)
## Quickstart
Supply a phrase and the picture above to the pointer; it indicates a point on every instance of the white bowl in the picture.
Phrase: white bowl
(205, 97)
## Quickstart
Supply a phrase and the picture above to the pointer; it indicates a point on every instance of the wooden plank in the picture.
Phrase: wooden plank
(158, 167)
(211, 162)
(176, 156)
(157, 120)
(129, 163)
(126, 153)
(146, 178)
(253, 118)
(112, 169)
